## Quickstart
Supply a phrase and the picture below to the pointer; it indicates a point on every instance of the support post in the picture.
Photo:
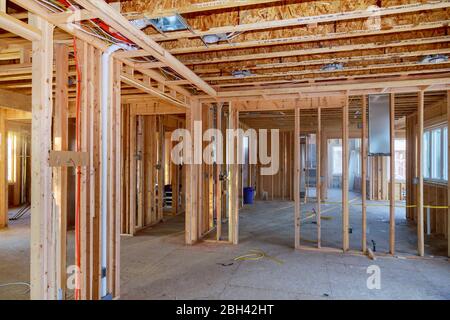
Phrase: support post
(192, 177)
(297, 220)
(233, 186)
(218, 181)
(60, 143)
(318, 176)
(3, 170)
(133, 174)
(345, 207)
(392, 178)
(43, 239)
(161, 166)
(420, 231)
(364, 173)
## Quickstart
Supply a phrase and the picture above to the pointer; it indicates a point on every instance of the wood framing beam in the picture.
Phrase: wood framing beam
(309, 20)
(319, 50)
(19, 27)
(3, 170)
(420, 223)
(309, 38)
(345, 172)
(193, 177)
(360, 58)
(74, 30)
(256, 104)
(112, 17)
(138, 84)
(14, 100)
(218, 171)
(61, 143)
(43, 238)
(161, 167)
(392, 177)
(364, 174)
(133, 175)
(297, 177)
(155, 108)
(318, 176)
(353, 88)
(201, 7)
(72, 16)
(347, 72)
(233, 146)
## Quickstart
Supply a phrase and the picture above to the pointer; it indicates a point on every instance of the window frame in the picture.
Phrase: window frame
(430, 160)
(11, 157)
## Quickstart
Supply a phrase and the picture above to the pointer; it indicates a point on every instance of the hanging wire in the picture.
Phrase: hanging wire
(49, 6)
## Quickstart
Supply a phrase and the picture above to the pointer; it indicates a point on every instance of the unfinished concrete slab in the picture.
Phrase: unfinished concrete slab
(157, 266)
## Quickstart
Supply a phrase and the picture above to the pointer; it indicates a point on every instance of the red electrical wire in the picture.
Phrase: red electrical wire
(106, 28)
(78, 183)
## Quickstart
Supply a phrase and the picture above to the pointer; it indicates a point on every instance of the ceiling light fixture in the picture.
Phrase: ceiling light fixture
(435, 58)
(241, 74)
(215, 38)
(332, 67)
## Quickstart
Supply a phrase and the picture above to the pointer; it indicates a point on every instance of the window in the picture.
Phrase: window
(435, 153)
(426, 153)
(400, 159)
(337, 160)
(12, 141)
(445, 153)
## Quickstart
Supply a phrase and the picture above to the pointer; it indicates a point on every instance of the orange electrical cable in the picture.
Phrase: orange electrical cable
(78, 181)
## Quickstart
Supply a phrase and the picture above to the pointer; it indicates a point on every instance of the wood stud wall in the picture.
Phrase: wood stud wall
(43, 235)
(137, 149)
(48, 218)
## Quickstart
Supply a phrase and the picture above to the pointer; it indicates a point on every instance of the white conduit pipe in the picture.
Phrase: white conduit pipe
(106, 58)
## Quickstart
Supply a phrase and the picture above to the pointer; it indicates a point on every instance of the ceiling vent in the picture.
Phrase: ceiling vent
(169, 23)
(332, 67)
(215, 38)
(242, 74)
(435, 58)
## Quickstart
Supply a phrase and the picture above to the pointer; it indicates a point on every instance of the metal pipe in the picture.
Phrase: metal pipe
(105, 98)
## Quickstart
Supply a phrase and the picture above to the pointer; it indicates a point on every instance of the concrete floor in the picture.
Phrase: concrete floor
(157, 265)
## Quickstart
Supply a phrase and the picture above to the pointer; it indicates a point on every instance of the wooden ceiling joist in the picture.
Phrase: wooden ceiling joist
(321, 50)
(18, 27)
(117, 21)
(325, 89)
(14, 100)
(309, 20)
(130, 80)
(346, 70)
(35, 8)
(234, 45)
(194, 7)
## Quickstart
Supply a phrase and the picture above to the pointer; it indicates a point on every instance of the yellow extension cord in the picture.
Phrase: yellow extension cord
(256, 254)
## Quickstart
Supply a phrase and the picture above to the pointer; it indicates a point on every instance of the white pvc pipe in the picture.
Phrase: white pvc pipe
(106, 58)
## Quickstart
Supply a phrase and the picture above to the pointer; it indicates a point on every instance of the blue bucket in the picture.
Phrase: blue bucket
(248, 195)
